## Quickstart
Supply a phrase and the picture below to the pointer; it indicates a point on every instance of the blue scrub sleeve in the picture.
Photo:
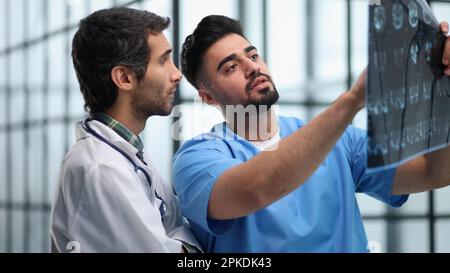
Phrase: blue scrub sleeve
(378, 184)
(195, 171)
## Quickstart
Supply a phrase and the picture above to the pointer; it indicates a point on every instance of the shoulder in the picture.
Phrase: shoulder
(214, 140)
(89, 163)
(291, 121)
(354, 134)
(289, 125)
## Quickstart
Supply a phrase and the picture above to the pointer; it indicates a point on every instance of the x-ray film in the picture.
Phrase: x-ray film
(408, 96)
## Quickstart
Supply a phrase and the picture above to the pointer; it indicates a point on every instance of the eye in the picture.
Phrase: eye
(165, 58)
(254, 57)
(232, 68)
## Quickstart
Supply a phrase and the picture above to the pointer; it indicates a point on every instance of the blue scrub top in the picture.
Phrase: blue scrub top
(322, 215)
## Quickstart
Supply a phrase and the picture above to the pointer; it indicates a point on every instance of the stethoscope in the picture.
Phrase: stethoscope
(88, 128)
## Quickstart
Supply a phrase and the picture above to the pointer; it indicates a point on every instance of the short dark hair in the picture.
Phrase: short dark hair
(108, 38)
(210, 29)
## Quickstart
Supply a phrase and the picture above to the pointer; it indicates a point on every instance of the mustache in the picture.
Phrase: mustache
(253, 77)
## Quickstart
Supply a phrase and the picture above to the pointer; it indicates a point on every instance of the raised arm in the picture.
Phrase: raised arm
(269, 176)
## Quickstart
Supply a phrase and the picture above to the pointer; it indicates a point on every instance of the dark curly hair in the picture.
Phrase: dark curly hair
(108, 38)
(210, 29)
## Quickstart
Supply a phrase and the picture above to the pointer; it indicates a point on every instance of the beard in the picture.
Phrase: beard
(145, 104)
(268, 96)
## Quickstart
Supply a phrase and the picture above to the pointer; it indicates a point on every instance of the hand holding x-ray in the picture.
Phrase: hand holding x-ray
(408, 88)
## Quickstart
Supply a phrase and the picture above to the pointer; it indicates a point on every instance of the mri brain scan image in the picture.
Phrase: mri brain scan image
(407, 95)
(397, 16)
(413, 14)
(399, 57)
(379, 18)
(427, 17)
(428, 49)
(414, 52)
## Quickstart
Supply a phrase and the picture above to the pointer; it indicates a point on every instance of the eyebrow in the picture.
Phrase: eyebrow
(233, 56)
(250, 48)
(167, 52)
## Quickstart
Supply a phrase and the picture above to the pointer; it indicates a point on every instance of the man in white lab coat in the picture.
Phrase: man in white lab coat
(110, 198)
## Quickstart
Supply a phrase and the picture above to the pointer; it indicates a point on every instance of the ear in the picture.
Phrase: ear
(124, 78)
(205, 95)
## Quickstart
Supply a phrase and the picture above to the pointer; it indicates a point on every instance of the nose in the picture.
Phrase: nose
(251, 68)
(176, 75)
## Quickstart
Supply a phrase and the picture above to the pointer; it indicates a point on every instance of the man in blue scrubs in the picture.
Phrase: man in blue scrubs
(265, 183)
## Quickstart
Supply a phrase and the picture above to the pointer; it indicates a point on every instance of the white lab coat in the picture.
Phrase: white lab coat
(103, 205)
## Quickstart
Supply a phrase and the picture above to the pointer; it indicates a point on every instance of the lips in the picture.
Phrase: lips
(258, 81)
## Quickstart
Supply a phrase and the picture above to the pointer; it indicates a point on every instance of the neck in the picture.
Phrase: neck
(254, 127)
(127, 119)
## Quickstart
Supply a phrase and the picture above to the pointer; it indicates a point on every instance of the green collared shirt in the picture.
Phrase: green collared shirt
(120, 129)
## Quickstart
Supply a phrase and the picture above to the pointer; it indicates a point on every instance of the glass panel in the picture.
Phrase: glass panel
(57, 19)
(359, 29)
(36, 109)
(441, 11)
(2, 230)
(370, 206)
(35, 236)
(359, 50)
(2, 93)
(16, 67)
(360, 119)
(330, 40)
(3, 12)
(78, 10)
(34, 157)
(441, 200)
(416, 204)
(57, 62)
(158, 144)
(195, 119)
(17, 106)
(45, 232)
(376, 235)
(56, 103)
(16, 17)
(99, 4)
(18, 231)
(443, 236)
(413, 236)
(160, 7)
(35, 66)
(135, 4)
(327, 91)
(286, 47)
(55, 156)
(76, 107)
(35, 18)
(17, 165)
(291, 111)
(252, 23)
(191, 12)
(187, 90)
(121, 2)
(3, 158)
